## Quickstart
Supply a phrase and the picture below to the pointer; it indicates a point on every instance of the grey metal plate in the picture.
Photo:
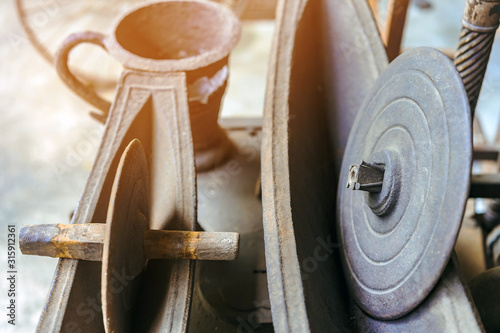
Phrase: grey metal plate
(416, 121)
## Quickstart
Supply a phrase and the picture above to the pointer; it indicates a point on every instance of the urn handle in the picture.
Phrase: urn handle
(83, 90)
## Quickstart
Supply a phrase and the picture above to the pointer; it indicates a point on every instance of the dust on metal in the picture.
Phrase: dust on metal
(396, 242)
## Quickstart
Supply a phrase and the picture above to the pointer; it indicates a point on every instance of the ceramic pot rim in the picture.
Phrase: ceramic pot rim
(134, 61)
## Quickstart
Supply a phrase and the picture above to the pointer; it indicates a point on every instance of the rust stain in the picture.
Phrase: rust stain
(190, 243)
(62, 242)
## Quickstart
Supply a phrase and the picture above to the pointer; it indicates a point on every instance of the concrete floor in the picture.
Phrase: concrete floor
(49, 142)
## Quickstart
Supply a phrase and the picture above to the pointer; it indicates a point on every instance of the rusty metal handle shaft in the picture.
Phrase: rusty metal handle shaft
(85, 241)
(83, 90)
(163, 244)
(479, 23)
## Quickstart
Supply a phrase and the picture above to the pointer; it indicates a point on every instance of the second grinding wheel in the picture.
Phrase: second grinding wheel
(410, 150)
(126, 226)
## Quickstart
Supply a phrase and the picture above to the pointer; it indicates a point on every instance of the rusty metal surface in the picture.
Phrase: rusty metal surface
(326, 56)
(86, 242)
(396, 243)
(73, 241)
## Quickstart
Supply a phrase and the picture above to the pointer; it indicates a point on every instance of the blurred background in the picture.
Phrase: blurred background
(49, 141)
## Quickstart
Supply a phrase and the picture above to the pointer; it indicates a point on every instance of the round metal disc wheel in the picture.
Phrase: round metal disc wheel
(126, 225)
(413, 134)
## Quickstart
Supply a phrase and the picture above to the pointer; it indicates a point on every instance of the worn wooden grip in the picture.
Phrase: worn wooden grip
(85, 242)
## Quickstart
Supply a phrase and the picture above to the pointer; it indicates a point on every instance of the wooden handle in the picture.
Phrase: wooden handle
(83, 90)
(85, 242)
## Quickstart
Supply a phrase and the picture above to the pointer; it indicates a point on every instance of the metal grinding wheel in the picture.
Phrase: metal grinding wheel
(410, 150)
(129, 242)
(125, 243)
(123, 253)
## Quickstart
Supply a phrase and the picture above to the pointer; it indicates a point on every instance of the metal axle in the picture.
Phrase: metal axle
(86, 242)
(366, 177)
